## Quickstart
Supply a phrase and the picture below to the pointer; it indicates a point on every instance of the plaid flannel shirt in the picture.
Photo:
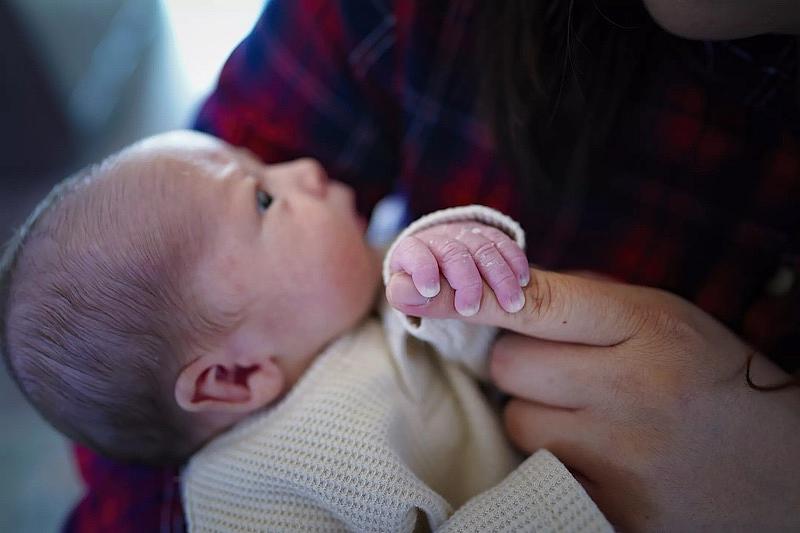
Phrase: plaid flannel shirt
(697, 192)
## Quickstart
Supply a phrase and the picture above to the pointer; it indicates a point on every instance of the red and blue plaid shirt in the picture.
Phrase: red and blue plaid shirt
(697, 192)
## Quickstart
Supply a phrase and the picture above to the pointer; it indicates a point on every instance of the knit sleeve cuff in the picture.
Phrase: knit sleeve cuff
(540, 495)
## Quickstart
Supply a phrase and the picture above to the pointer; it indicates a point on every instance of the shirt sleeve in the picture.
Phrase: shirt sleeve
(307, 82)
(455, 340)
(125, 497)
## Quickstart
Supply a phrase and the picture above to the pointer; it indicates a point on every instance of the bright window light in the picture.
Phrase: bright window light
(205, 33)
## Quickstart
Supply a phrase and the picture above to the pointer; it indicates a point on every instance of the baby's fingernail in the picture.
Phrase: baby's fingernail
(469, 310)
(429, 291)
(404, 292)
(516, 303)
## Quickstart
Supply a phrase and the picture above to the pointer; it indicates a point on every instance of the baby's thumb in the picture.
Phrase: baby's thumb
(403, 296)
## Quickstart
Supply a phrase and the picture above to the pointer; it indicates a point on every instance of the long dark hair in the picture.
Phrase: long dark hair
(554, 74)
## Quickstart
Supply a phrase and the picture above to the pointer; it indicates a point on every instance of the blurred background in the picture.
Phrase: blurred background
(80, 79)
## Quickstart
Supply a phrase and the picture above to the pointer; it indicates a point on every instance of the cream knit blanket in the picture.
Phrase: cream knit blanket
(349, 450)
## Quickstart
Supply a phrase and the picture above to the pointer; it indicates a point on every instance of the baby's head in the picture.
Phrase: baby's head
(154, 300)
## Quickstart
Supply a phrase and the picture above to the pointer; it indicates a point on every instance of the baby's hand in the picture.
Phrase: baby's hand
(463, 252)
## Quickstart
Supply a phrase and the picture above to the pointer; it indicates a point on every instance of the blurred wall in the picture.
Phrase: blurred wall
(80, 79)
(111, 77)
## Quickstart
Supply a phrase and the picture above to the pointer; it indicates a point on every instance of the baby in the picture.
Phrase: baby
(157, 300)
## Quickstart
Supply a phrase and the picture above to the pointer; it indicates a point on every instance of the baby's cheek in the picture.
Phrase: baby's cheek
(356, 291)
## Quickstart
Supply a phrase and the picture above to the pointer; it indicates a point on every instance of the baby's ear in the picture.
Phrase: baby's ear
(212, 385)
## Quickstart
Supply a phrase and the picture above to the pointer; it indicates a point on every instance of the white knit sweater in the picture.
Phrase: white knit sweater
(384, 433)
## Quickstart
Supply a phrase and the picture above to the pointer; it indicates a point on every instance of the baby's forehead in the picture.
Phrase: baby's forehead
(185, 147)
(167, 179)
(182, 139)
(174, 162)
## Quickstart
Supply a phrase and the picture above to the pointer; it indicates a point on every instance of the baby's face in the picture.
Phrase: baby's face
(286, 248)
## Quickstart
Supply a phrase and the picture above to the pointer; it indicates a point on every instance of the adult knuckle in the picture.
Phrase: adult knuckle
(671, 319)
(679, 329)
(540, 296)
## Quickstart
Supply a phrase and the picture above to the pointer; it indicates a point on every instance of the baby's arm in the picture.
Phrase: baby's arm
(467, 246)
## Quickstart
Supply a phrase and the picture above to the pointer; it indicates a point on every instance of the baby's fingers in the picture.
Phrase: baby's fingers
(414, 258)
(511, 252)
(458, 267)
(495, 268)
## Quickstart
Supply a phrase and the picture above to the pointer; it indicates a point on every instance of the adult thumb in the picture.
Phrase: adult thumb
(558, 307)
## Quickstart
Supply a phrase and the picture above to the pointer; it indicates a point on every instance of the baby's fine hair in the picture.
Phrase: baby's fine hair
(97, 314)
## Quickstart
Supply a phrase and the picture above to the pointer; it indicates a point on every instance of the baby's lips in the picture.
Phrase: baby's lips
(402, 291)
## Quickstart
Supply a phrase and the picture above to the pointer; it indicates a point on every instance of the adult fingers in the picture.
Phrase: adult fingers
(558, 374)
(413, 257)
(531, 426)
(566, 308)
(558, 307)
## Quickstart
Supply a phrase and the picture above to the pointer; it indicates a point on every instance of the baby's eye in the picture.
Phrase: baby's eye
(263, 200)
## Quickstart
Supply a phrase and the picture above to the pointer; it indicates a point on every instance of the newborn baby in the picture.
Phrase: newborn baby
(157, 300)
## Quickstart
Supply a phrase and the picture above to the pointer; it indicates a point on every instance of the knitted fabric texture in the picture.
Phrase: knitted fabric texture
(349, 450)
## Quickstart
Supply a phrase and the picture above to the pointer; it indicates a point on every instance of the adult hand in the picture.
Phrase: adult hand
(644, 397)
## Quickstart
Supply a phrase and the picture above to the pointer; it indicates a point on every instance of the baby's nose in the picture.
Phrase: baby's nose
(311, 177)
